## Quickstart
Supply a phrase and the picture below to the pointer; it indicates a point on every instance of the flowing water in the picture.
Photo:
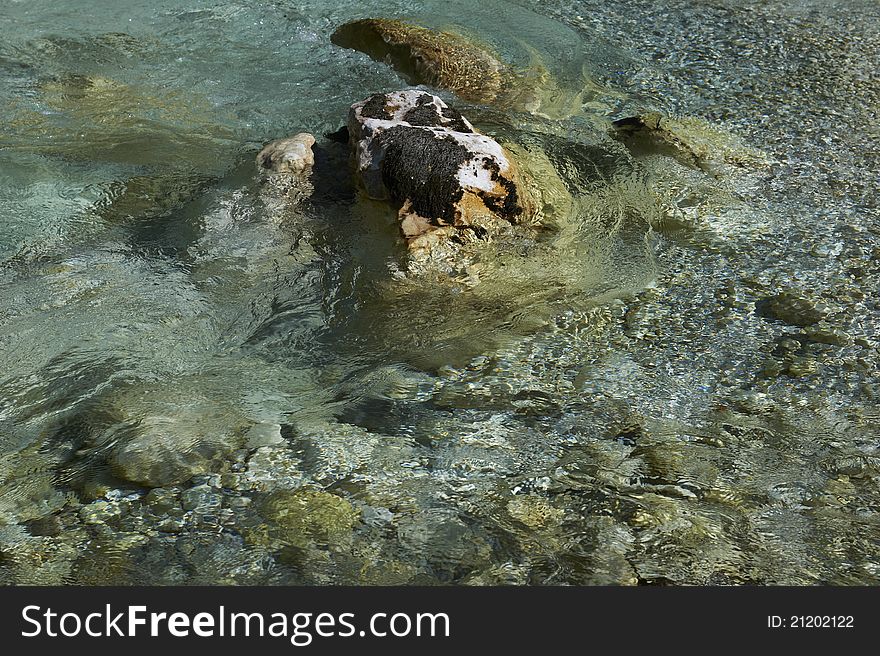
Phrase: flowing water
(202, 384)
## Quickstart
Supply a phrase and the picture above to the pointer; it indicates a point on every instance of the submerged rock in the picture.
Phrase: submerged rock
(444, 176)
(422, 56)
(109, 120)
(691, 140)
(790, 308)
(172, 441)
(442, 539)
(305, 515)
(460, 63)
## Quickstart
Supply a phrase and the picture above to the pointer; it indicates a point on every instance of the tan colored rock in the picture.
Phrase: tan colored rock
(291, 155)
(422, 56)
(463, 65)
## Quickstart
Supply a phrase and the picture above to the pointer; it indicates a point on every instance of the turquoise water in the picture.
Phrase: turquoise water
(199, 384)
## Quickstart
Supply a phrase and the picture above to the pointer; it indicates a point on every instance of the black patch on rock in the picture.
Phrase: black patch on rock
(629, 123)
(457, 119)
(375, 107)
(649, 121)
(425, 114)
(508, 207)
(423, 167)
(330, 178)
(479, 231)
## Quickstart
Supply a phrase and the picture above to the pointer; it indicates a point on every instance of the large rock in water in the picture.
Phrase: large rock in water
(422, 56)
(447, 179)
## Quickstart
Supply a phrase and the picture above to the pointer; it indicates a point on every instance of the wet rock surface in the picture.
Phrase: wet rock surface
(424, 156)
(692, 140)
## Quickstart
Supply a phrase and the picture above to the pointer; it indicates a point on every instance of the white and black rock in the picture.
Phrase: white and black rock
(444, 177)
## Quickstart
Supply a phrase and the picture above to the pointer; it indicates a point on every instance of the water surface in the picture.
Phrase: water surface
(201, 385)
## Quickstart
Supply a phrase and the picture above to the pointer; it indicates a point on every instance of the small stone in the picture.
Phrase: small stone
(788, 344)
(201, 498)
(45, 526)
(824, 334)
(534, 511)
(161, 501)
(230, 480)
(292, 155)
(99, 512)
(751, 402)
(771, 368)
(789, 308)
(238, 502)
(801, 367)
(171, 525)
(94, 489)
(376, 516)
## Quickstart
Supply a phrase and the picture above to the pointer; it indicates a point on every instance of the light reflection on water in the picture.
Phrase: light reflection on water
(200, 385)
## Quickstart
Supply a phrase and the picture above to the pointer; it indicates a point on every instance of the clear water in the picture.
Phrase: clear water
(199, 385)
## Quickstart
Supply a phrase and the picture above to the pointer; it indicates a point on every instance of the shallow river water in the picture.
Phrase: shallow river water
(200, 384)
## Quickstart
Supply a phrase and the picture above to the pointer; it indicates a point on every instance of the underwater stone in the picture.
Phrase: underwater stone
(534, 511)
(161, 501)
(422, 56)
(99, 512)
(692, 140)
(789, 308)
(261, 435)
(307, 514)
(825, 334)
(201, 498)
(167, 449)
(445, 177)
(443, 539)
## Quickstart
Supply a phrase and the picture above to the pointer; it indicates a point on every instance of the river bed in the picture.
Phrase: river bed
(200, 386)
